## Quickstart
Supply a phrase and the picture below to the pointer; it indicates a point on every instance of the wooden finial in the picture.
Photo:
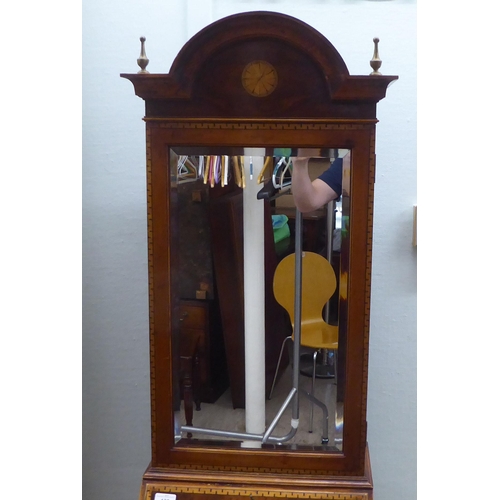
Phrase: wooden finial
(143, 61)
(376, 62)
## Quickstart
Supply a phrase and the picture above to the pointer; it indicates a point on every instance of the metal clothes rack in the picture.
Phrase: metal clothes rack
(293, 396)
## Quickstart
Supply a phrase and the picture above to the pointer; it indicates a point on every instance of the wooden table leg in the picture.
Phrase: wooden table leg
(190, 380)
(187, 389)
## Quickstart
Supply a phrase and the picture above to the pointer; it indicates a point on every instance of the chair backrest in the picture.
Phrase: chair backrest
(318, 285)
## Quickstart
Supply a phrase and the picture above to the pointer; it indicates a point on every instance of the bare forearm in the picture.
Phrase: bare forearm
(302, 188)
(309, 196)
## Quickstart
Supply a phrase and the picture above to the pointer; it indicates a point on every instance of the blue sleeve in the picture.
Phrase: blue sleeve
(333, 175)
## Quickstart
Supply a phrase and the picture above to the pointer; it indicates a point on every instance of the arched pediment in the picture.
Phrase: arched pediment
(309, 78)
(259, 33)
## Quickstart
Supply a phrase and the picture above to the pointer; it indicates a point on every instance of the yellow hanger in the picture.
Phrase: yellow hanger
(222, 170)
(237, 171)
(265, 168)
(242, 165)
(207, 168)
(213, 161)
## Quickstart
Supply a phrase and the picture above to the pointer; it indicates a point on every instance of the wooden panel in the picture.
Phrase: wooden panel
(203, 484)
(226, 220)
(201, 327)
(194, 251)
(193, 316)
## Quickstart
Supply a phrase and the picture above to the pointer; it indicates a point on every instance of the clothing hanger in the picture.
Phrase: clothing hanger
(286, 180)
(225, 170)
(282, 165)
(222, 170)
(242, 166)
(266, 170)
(217, 170)
(239, 171)
(207, 169)
(211, 175)
(186, 170)
(201, 166)
(236, 170)
(278, 181)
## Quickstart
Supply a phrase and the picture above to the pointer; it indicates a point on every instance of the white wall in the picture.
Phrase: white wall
(116, 447)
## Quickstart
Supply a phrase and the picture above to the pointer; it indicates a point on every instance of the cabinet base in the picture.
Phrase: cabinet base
(182, 484)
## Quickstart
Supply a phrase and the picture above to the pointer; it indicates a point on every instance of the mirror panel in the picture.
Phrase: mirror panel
(207, 210)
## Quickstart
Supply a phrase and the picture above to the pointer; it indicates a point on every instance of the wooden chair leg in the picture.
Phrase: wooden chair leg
(197, 380)
(187, 390)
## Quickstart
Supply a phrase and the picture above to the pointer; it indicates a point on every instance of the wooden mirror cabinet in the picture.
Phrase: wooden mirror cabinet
(251, 88)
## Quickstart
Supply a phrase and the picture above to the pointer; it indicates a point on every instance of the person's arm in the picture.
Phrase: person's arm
(309, 196)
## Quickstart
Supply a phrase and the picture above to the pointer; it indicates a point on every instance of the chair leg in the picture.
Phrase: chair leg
(324, 437)
(197, 380)
(187, 389)
(278, 366)
(312, 390)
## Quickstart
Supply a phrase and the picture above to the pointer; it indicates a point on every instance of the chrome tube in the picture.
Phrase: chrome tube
(239, 435)
(284, 406)
(216, 432)
(324, 438)
(297, 309)
(329, 245)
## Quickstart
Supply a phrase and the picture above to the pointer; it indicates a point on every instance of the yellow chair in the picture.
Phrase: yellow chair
(318, 285)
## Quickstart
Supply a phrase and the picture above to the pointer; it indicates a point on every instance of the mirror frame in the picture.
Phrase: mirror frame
(194, 105)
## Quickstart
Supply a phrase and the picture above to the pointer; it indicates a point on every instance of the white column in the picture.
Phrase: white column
(253, 256)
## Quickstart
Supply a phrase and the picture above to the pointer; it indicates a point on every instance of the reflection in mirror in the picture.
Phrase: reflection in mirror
(240, 377)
